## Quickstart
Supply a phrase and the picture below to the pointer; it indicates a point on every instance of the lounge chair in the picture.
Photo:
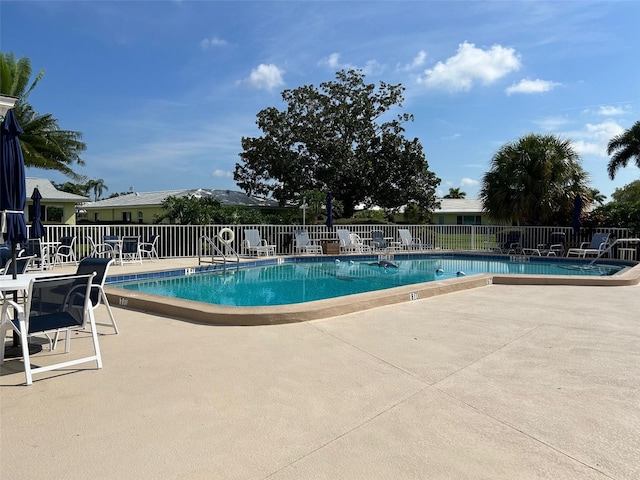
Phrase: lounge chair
(599, 243)
(554, 248)
(253, 244)
(303, 244)
(358, 244)
(407, 242)
(512, 242)
(349, 244)
(380, 243)
(54, 303)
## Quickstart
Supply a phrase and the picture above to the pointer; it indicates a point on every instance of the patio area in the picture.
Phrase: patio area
(502, 381)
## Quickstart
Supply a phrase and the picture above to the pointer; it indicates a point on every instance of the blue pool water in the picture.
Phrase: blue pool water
(305, 281)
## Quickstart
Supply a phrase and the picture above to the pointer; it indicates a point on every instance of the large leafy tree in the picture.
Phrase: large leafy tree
(630, 193)
(44, 144)
(534, 181)
(624, 147)
(340, 138)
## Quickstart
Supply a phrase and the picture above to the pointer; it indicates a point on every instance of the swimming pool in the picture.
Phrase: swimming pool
(302, 280)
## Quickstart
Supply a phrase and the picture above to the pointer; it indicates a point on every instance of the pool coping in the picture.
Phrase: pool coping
(206, 313)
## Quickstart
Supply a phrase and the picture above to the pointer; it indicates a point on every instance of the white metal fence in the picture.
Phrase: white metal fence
(183, 240)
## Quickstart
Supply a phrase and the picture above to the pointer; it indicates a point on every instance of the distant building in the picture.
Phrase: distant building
(144, 207)
(56, 207)
(460, 211)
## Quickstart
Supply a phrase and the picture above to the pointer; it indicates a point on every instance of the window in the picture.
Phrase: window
(469, 220)
(53, 214)
(140, 217)
(126, 216)
(96, 216)
(441, 220)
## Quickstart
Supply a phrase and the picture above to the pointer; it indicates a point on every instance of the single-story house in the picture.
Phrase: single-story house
(56, 207)
(144, 207)
(460, 211)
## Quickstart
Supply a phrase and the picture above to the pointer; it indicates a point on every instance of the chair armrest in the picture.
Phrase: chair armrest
(584, 244)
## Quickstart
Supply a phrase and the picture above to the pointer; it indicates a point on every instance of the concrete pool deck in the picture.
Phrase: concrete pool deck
(502, 381)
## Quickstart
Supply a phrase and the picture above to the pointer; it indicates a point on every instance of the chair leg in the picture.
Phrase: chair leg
(106, 303)
(94, 336)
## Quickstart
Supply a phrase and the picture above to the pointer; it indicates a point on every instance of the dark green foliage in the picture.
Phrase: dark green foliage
(624, 148)
(334, 139)
(44, 144)
(534, 181)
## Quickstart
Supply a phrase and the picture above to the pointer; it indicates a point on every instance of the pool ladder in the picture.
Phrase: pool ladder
(219, 255)
(610, 247)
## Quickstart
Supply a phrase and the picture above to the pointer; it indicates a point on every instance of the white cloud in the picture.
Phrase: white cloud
(469, 182)
(266, 77)
(594, 137)
(532, 86)
(552, 123)
(212, 42)
(418, 61)
(333, 62)
(611, 111)
(222, 174)
(470, 65)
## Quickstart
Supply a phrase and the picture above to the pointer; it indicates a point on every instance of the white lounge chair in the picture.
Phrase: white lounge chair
(407, 242)
(598, 245)
(254, 245)
(303, 244)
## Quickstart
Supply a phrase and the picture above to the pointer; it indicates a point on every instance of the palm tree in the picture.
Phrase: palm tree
(44, 144)
(98, 187)
(596, 196)
(533, 181)
(455, 193)
(624, 147)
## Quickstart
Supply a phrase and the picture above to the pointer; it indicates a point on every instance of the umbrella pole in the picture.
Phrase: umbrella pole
(14, 275)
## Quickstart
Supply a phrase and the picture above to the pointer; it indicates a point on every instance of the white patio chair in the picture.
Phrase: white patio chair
(253, 244)
(66, 251)
(599, 243)
(303, 244)
(358, 245)
(407, 242)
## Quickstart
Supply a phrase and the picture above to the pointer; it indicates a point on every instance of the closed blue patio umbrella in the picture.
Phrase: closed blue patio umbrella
(13, 188)
(13, 195)
(329, 222)
(37, 229)
(577, 210)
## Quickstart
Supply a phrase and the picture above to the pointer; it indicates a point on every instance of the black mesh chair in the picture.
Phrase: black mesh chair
(100, 266)
(54, 304)
(23, 264)
(66, 251)
(150, 249)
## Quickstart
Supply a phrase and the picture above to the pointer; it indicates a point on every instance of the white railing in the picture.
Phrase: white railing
(183, 240)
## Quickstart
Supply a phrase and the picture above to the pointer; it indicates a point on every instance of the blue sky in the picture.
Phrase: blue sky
(164, 91)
